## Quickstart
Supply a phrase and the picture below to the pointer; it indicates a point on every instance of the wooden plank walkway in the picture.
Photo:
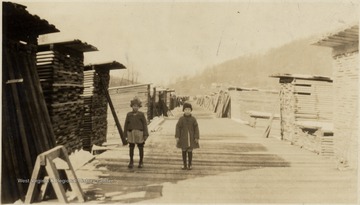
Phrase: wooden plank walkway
(234, 165)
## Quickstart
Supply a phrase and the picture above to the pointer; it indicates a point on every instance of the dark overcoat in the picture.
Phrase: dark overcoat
(187, 130)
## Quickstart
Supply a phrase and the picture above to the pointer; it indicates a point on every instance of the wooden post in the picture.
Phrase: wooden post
(155, 113)
(149, 110)
(118, 125)
(268, 128)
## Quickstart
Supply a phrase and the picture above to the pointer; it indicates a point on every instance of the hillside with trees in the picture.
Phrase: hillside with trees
(297, 57)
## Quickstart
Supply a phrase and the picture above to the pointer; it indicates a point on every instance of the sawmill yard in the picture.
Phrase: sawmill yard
(233, 165)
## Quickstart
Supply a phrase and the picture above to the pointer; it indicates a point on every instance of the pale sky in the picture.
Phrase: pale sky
(163, 40)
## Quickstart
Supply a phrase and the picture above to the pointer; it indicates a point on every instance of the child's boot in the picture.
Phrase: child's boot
(141, 154)
(184, 160)
(190, 161)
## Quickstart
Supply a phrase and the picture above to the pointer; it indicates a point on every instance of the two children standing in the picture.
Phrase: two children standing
(186, 134)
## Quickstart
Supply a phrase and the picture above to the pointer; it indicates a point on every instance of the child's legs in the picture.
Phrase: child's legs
(141, 151)
(187, 152)
(190, 155)
(131, 151)
(184, 157)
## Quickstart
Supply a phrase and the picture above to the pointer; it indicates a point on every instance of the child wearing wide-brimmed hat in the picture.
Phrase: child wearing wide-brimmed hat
(187, 135)
(136, 131)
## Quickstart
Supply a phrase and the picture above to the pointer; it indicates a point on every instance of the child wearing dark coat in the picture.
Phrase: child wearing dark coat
(187, 135)
(136, 131)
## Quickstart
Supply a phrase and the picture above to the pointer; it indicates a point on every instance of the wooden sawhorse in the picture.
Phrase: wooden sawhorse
(52, 161)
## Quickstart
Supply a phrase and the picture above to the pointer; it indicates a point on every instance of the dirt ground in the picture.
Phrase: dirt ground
(233, 165)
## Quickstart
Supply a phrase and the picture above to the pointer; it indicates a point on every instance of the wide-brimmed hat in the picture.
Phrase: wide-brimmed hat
(135, 101)
(187, 105)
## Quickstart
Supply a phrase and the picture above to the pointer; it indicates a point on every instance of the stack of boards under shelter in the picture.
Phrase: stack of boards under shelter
(26, 128)
(61, 71)
(96, 84)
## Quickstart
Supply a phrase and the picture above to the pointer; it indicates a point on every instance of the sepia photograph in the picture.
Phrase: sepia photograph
(180, 102)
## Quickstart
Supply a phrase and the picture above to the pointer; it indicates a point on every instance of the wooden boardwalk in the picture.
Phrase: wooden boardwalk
(234, 165)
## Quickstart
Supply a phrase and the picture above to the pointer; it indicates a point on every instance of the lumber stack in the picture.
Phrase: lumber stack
(346, 116)
(94, 125)
(307, 99)
(95, 119)
(313, 103)
(313, 100)
(62, 79)
(287, 103)
(327, 143)
(26, 127)
(100, 107)
(87, 123)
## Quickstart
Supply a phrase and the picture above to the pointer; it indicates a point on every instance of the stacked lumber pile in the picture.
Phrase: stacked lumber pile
(314, 104)
(87, 123)
(100, 107)
(95, 110)
(346, 119)
(345, 52)
(95, 118)
(287, 103)
(61, 80)
(61, 72)
(26, 126)
(313, 100)
(306, 101)
(315, 136)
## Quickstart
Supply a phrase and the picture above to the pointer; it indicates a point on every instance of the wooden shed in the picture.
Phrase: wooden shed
(61, 71)
(345, 46)
(96, 100)
(121, 97)
(26, 126)
(306, 110)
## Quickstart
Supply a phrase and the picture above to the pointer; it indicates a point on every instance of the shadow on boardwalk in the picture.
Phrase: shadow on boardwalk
(226, 147)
